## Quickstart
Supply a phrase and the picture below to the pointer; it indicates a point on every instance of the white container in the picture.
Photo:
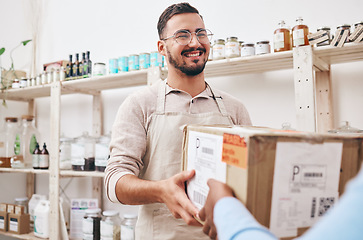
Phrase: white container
(128, 227)
(33, 202)
(219, 49)
(248, 49)
(262, 47)
(41, 219)
(110, 226)
(232, 47)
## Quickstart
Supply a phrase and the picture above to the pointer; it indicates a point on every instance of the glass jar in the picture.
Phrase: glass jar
(345, 128)
(300, 33)
(91, 224)
(102, 152)
(15, 84)
(248, 49)
(357, 35)
(210, 56)
(43, 78)
(8, 135)
(29, 138)
(128, 227)
(22, 201)
(232, 47)
(110, 225)
(282, 38)
(345, 27)
(99, 69)
(262, 47)
(219, 49)
(65, 156)
(83, 153)
(240, 47)
(326, 42)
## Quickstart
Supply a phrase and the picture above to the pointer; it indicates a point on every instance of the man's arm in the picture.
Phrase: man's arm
(134, 191)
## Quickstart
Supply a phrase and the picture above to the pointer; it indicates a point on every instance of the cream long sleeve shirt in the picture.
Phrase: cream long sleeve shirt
(129, 131)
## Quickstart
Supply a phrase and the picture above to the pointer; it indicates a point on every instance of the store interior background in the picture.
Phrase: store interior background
(114, 28)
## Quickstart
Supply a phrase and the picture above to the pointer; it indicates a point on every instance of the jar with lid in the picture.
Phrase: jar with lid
(262, 47)
(43, 77)
(102, 152)
(232, 47)
(210, 56)
(345, 27)
(8, 135)
(240, 46)
(110, 225)
(23, 82)
(65, 157)
(22, 201)
(282, 38)
(15, 84)
(248, 49)
(327, 31)
(91, 224)
(99, 69)
(300, 33)
(345, 128)
(83, 153)
(357, 35)
(128, 226)
(219, 49)
(29, 138)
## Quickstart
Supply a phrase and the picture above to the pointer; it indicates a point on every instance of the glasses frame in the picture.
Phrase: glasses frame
(191, 36)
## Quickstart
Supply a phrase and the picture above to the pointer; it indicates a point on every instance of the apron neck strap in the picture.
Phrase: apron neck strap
(160, 106)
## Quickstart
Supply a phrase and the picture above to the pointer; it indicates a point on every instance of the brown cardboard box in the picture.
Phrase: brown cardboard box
(3, 221)
(3, 207)
(19, 209)
(10, 208)
(253, 155)
(19, 224)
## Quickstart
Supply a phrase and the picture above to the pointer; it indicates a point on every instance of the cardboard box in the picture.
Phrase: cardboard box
(280, 176)
(5, 162)
(19, 224)
(3, 207)
(10, 208)
(19, 209)
(3, 221)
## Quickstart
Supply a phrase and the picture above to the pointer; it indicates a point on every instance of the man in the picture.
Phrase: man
(229, 217)
(146, 146)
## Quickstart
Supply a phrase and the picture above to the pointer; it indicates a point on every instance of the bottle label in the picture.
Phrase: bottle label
(35, 160)
(13, 224)
(33, 143)
(218, 51)
(127, 232)
(232, 49)
(43, 161)
(247, 51)
(279, 40)
(78, 154)
(106, 229)
(87, 226)
(298, 36)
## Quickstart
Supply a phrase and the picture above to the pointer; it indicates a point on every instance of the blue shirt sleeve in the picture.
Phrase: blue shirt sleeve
(234, 221)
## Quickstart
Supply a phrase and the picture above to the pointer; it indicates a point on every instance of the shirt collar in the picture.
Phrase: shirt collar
(205, 94)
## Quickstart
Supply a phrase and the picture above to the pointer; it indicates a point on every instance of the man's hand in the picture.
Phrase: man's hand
(175, 198)
(217, 190)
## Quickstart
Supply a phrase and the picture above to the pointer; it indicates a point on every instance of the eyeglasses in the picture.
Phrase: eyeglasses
(184, 37)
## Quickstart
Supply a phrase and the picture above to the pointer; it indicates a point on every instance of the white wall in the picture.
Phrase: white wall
(116, 28)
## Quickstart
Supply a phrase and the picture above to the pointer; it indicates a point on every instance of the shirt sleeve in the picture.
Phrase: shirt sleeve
(127, 147)
(234, 221)
(343, 221)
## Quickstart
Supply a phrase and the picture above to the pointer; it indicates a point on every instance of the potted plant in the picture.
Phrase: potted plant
(7, 76)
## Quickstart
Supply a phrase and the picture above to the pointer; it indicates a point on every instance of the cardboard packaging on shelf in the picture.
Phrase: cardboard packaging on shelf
(286, 179)
(10, 208)
(3, 221)
(19, 223)
(3, 207)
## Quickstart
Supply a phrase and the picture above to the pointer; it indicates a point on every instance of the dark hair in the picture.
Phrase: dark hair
(174, 10)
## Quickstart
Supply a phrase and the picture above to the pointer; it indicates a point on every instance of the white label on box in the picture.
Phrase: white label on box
(78, 211)
(13, 225)
(304, 174)
(2, 223)
(205, 156)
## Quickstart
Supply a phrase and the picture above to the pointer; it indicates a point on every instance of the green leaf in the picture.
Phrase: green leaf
(2, 50)
(26, 42)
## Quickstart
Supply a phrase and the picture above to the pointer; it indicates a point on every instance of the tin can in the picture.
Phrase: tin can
(113, 66)
(144, 60)
(133, 62)
(156, 59)
(123, 64)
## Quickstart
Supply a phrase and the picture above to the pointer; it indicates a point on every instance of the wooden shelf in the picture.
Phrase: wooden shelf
(63, 173)
(28, 236)
(24, 170)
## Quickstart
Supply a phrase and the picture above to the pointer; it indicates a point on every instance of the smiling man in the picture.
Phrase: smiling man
(146, 147)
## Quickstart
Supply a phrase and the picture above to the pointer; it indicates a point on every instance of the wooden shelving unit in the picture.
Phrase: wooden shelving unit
(311, 67)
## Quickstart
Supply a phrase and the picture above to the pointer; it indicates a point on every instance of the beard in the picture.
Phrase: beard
(182, 66)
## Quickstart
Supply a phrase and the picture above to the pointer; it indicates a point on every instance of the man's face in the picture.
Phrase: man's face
(189, 59)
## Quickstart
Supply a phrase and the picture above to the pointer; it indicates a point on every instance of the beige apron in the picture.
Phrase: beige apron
(162, 160)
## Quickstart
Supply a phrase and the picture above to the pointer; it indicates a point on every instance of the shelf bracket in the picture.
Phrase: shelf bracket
(320, 65)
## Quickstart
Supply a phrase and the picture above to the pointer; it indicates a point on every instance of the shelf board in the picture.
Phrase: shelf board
(62, 173)
(350, 52)
(28, 236)
(24, 170)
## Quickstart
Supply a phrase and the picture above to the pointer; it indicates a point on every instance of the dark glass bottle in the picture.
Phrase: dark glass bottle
(44, 158)
(35, 156)
(69, 68)
(76, 66)
(81, 65)
(89, 65)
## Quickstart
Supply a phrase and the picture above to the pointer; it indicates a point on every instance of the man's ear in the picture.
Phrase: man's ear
(162, 47)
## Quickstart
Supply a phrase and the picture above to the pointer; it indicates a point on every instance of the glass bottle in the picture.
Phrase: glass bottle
(7, 139)
(83, 153)
(300, 33)
(89, 65)
(65, 156)
(102, 152)
(44, 158)
(282, 38)
(35, 156)
(29, 138)
(69, 68)
(91, 224)
(128, 227)
(76, 67)
(232, 47)
(110, 225)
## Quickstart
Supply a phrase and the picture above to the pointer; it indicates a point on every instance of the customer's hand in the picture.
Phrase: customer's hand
(175, 198)
(217, 190)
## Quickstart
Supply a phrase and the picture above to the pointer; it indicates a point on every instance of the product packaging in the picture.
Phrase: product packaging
(318, 37)
(286, 179)
(3, 221)
(78, 211)
(18, 223)
(340, 37)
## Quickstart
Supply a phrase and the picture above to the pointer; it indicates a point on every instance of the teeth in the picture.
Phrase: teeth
(193, 55)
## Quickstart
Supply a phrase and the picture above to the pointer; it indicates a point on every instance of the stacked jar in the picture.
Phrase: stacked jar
(102, 152)
(128, 227)
(110, 225)
(91, 224)
(83, 153)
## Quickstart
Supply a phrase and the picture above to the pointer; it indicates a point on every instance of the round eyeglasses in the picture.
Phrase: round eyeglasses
(184, 37)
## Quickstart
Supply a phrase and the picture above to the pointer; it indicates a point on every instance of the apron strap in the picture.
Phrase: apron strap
(160, 106)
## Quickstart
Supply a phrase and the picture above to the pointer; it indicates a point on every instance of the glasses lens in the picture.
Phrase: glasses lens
(182, 37)
(204, 36)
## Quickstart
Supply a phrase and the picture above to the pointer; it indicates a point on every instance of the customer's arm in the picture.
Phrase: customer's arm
(227, 216)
